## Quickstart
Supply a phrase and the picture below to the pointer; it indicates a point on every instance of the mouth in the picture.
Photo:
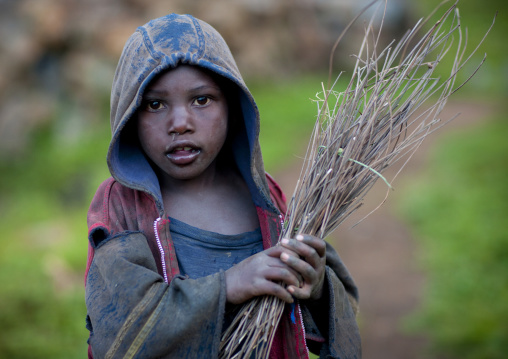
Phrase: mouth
(183, 154)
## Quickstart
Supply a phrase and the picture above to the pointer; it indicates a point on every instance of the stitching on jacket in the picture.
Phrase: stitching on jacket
(134, 315)
(201, 37)
(148, 44)
(143, 333)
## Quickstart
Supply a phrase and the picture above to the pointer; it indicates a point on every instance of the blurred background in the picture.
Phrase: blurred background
(431, 264)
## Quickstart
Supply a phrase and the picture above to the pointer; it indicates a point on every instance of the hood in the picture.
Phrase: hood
(158, 46)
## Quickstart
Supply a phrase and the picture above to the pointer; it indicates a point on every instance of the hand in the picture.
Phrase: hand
(310, 264)
(262, 274)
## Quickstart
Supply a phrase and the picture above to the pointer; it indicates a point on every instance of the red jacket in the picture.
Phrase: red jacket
(117, 211)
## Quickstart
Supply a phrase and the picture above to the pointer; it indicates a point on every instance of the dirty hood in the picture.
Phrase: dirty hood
(158, 46)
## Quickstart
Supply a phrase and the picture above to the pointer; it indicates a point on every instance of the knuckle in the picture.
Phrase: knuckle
(321, 244)
(312, 251)
(308, 237)
(287, 275)
(280, 292)
(309, 272)
(283, 273)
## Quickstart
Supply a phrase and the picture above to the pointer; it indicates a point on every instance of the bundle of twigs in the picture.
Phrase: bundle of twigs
(359, 133)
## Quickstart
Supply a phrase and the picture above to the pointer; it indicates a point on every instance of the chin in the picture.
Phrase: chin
(190, 172)
(186, 175)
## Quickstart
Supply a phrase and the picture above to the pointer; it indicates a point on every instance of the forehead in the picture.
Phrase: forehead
(184, 76)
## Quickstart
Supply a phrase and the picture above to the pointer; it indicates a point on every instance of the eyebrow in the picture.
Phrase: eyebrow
(203, 87)
(154, 92)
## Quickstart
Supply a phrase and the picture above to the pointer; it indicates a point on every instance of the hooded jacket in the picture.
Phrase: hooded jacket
(138, 304)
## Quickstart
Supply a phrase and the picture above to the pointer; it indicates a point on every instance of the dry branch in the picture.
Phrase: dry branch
(359, 133)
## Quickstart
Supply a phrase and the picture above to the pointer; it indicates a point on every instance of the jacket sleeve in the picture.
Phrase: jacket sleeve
(330, 322)
(133, 313)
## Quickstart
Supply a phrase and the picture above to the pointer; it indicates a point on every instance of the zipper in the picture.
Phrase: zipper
(161, 250)
(303, 328)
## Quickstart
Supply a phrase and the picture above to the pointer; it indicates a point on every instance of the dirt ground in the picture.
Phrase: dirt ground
(381, 253)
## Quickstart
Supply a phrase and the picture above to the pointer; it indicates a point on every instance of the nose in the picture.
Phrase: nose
(180, 120)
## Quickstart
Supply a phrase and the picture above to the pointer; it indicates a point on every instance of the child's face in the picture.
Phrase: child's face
(183, 123)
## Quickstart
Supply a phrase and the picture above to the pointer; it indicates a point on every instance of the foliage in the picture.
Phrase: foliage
(288, 114)
(45, 195)
(458, 211)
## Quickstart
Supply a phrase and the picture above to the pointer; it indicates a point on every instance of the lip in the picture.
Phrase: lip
(182, 152)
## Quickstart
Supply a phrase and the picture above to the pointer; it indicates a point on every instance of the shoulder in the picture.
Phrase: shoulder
(108, 190)
(113, 205)
(97, 213)
(111, 190)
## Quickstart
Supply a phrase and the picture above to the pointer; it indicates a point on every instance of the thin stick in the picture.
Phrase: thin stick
(374, 123)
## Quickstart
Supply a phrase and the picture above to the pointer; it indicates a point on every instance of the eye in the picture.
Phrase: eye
(153, 105)
(201, 101)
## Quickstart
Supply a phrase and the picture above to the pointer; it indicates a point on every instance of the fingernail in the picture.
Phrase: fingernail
(284, 241)
(284, 256)
(299, 237)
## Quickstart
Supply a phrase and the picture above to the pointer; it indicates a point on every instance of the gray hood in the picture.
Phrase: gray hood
(158, 46)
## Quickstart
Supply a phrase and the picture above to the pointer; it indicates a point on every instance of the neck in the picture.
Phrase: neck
(220, 203)
(193, 185)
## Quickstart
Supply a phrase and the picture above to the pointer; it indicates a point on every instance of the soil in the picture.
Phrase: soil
(382, 254)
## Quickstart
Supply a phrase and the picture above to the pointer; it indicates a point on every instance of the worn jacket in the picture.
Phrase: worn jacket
(138, 304)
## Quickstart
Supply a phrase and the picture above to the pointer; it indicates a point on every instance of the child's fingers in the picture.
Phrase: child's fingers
(318, 244)
(304, 292)
(260, 275)
(275, 270)
(273, 273)
(311, 249)
(310, 264)
(276, 251)
(307, 271)
(268, 287)
(284, 274)
(296, 283)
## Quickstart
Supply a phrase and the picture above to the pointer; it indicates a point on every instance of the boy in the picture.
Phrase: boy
(186, 229)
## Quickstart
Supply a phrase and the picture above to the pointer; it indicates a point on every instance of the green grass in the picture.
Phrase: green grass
(45, 196)
(476, 17)
(288, 113)
(458, 211)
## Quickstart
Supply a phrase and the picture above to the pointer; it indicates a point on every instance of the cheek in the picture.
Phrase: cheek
(218, 127)
(216, 138)
(224, 122)
(221, 132)
(143, 137)
(148, 135)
